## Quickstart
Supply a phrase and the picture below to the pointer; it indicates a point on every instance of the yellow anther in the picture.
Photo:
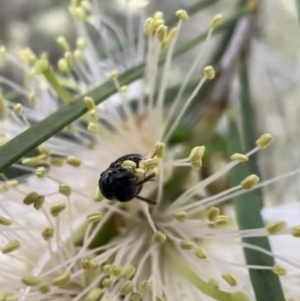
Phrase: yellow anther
(139, 172)
(44, 288)
(146, 285)
(78, 54)
(31, 281)
(40, 172)
(159, 150)
(136, 297)
(106, 282)
(239, 157)
(12, 183)
(186, 245)
(158, 237)
(169, 38)
(181, 216)
(73, 161)
(18, 108)
(48, 233)
(149, 27)
(150, 163)
(4, 221)
(182, 15)
(63, 65)
(196, 156)
(89, 103)
(85, 263)
(86, 5)
(143, 4)
(38, 204)
(275, 227)
(127, 288)
(11, 246)
(230, 279)
(80, 43)
(128, 164)
(94, 217)
(160, 298)
(209, 72)
(158, 15)
(278, 270)
(32, 98)
(213, 283)
(215, 20)
(113, 75)
(2, 52)
(57, 208)
(123, 89)
(221, 220)
(41, 66)
(88, 264)
(62, 279)
(161, 32)
(127, 271)
(44, 150)
(27, 56)
(64, 189)
(108, 269)
(62, 43)
(200, 253)
(249, 182)
(296, 231)
(264, 141)
(69, 59)
(93, 127)
(31, 161)
(117, 271)
(98, 197)
(213, 213)
(79, 13)
(94, 294)
(55, 161)
(32, 198)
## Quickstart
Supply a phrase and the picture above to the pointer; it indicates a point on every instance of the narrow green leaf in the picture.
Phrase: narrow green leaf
(265, 283)
(247, 111)
(16, 148)
(297, 3)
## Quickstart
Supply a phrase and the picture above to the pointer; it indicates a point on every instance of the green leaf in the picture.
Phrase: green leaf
(265, 283)
(297, 3)
(16, 148)
(201, 284)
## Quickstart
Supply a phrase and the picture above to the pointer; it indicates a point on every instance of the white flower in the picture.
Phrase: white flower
(61, 240)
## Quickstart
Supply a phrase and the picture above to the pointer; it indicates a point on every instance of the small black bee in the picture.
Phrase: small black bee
(120, 184)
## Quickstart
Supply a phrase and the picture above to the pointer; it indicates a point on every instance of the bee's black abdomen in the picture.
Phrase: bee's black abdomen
(120, 184)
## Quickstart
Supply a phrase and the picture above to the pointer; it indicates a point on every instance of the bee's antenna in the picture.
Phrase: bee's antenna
(145, 200)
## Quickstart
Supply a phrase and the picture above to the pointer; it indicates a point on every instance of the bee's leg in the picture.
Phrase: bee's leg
(145, 200)
(146, 179)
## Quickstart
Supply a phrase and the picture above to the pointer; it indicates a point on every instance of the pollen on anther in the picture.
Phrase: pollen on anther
(209, 72)
(62, 279)
(73, 161)
(215, 20)
(278, 270)
(94, 217)
(239, 157)
(181, 216)
(159, 237)
(249, 182)
(276, 226)
(264, 141)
